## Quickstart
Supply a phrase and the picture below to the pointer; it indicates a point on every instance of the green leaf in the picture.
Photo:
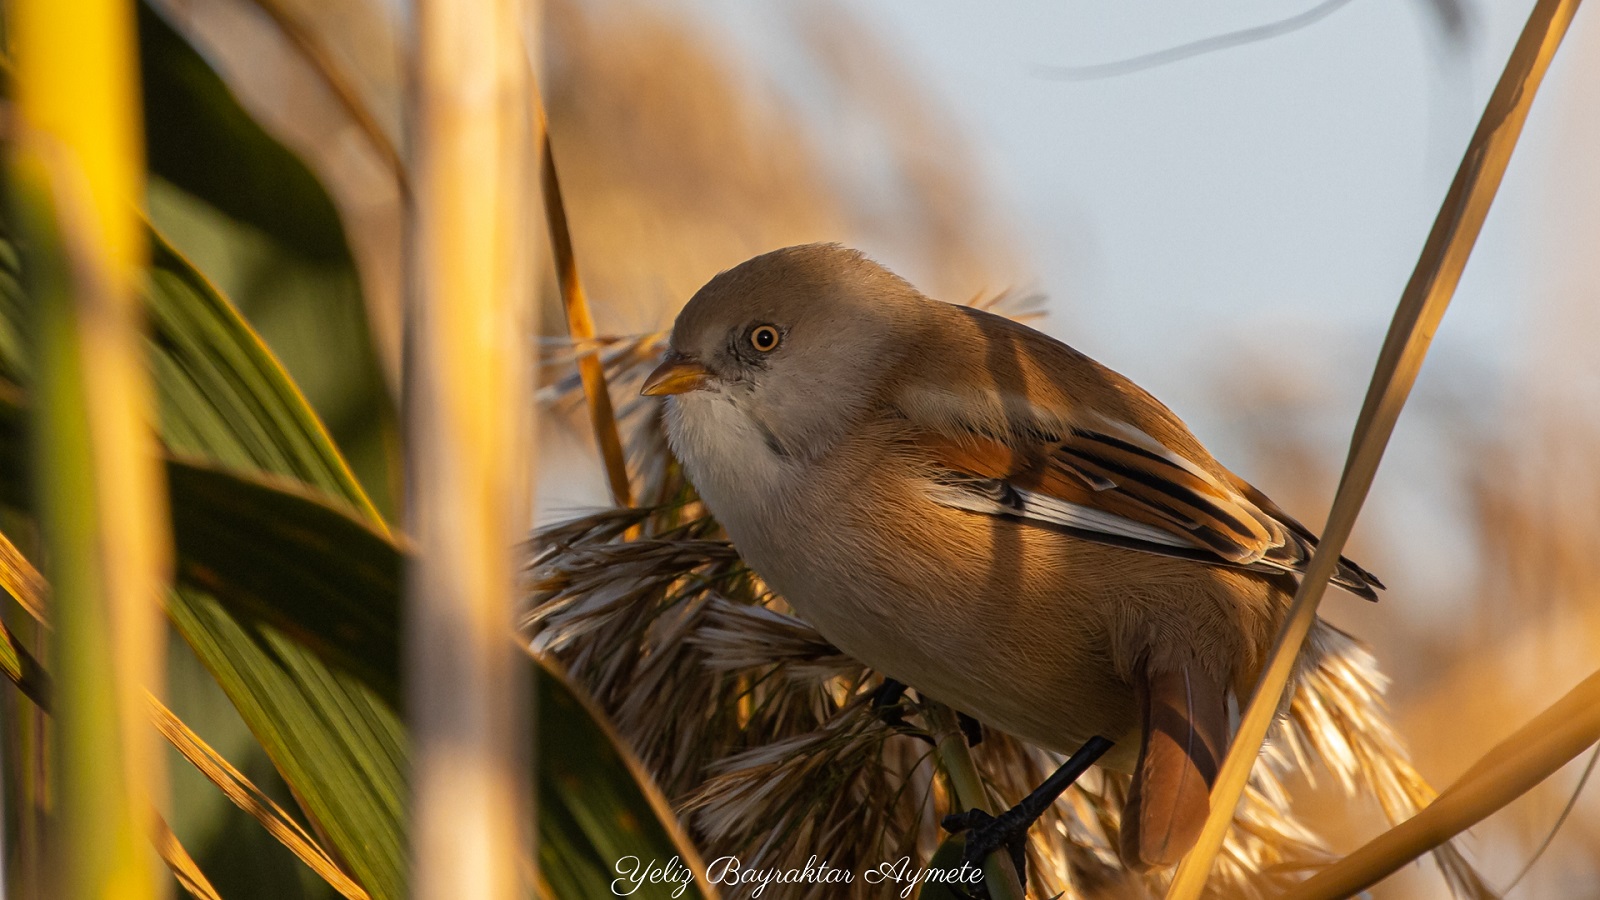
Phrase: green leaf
(13, 343)
(340, 747)
(199, 138)
(339, 744)
(290, 582)
(275, 552)
(223, 395)
(14, 463)
(251, 215)
(296, 564)
(15, 367)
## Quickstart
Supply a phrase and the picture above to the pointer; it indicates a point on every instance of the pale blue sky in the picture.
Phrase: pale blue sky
(1267, 201)
(1286, 184)
(1264, 184)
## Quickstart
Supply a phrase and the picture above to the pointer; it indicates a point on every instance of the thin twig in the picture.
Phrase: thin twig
(1550, 836)
(1192, 49)
(1421, 307)
(580, 322)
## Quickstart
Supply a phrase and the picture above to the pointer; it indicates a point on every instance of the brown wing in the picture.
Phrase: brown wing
(1023, 426)
(1163, 489)
(1117, 485)
(1348, 572)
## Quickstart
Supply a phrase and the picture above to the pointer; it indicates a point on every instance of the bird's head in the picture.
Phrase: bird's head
(799, 341)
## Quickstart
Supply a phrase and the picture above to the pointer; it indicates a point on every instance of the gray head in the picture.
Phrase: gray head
(798, 340)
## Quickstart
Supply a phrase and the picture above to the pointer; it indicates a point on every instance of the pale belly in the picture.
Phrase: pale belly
(986, 629)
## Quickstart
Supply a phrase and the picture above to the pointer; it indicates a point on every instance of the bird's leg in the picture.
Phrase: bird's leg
(986, 833)
(886, 702)
(972, 728)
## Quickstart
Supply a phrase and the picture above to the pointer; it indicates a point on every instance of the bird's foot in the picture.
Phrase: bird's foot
(986, 833)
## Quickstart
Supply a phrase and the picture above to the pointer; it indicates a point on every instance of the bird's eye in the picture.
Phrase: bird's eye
(764, 338)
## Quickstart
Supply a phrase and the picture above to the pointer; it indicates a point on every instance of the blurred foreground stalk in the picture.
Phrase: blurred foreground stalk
(1422, 305)
(77, 181)
(469, 408)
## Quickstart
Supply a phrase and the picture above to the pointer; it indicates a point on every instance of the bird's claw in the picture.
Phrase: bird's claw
(986, 833)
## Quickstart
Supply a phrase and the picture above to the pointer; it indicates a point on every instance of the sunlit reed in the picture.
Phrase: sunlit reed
(1422, 306)
(78, 181)
(468, 409)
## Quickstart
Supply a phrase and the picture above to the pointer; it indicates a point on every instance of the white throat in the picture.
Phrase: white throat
(729, 456)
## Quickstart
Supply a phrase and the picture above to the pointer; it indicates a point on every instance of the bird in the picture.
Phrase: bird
(979, 511)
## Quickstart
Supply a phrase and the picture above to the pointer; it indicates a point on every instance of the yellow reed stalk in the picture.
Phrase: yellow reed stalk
(1514, 766)
(78, 183)
(469, 415)
(955, 759)
(580, 323)
(1421, 307)
(179, 862)
(245, 795)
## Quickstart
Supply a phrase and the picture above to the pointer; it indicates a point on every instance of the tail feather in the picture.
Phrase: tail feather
(1185, 716)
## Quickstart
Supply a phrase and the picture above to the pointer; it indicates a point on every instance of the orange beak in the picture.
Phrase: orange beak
(677, 374)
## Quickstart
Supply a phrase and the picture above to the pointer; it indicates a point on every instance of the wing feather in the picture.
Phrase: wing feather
(1111, 482)
(1004, 411)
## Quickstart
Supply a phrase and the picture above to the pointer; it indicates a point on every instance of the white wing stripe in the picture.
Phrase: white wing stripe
(1044, 508)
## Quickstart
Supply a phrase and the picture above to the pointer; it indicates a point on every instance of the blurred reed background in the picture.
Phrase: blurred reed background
(1185, 224)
